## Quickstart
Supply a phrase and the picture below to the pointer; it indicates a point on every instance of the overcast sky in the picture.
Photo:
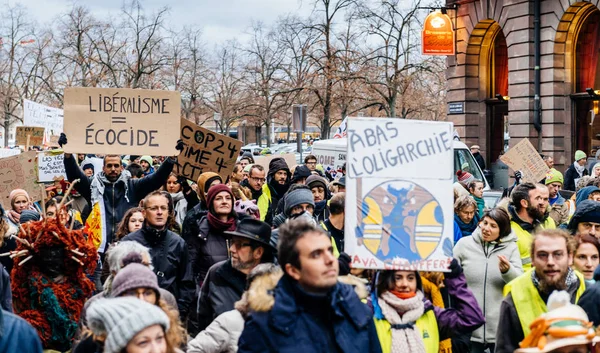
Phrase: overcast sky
(220, 20)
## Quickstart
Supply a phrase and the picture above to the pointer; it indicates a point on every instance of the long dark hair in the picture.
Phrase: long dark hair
(386, 281)
(123, 227)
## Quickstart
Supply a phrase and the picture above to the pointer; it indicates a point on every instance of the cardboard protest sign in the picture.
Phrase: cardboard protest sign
(35, 114)
(18, 172)
(399, 186)
(206, 151)
(122, 121)
(50, 166)
(290, 159)
(524, 157)
(53, 141)
(36, 136)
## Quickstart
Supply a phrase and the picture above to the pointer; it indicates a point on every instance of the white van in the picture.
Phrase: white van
(332, 154)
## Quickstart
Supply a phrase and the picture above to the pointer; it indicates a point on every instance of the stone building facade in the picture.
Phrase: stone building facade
(492, 76)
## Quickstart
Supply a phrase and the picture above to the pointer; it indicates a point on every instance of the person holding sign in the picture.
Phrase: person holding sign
(406, 322)
(112, 192)
(576, 171)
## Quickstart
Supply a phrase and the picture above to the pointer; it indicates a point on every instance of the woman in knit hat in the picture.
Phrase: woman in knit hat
(576, 171)
(406, 322)
(221, 217)
(19, 201)
(321, 195)
(137, 280)
(129, 325)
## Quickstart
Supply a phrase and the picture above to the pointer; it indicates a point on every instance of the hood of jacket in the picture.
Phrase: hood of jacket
(587, 208)
(203, 179)
(528, 227)
(584, 193)
(260, 297)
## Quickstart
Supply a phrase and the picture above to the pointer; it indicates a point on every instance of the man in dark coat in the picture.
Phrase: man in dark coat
(278, 180)
(226, 280)
(475, 150)
(117, 191)
(168, 251)
(313, 312)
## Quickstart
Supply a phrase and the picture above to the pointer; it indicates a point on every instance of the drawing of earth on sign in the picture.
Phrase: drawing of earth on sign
(400, 220)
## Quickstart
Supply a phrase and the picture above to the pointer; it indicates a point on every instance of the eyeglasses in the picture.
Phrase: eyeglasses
(258, 180)
(238, 244)
(156, 208)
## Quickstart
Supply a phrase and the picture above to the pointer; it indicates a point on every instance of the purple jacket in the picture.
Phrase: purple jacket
(464, 317)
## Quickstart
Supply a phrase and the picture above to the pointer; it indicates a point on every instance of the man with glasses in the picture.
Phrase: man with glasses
(527, 295)
(310, 161)
(226, 280)
(586, 219)
(168, 251)
(113, 191)
(260, 190)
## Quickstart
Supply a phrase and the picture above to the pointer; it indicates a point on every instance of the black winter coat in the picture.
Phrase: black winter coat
(114, 196)
(171, 264)
(222, 287)
(570, 176)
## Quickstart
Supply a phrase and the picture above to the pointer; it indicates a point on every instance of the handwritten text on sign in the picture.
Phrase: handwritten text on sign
(391, 148)
(110, 120)
(36, 136)
(206, 151)
(50, 167)
(524, 157)
(35, 114)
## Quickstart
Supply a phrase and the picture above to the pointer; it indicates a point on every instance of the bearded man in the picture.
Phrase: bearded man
(527, 295)
(226, 280)
(529, 211)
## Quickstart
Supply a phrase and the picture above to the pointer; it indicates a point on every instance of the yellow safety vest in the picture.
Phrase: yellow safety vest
(524, 240)
(528, 303)
(336, 252)
(426, 324)
(264, 201)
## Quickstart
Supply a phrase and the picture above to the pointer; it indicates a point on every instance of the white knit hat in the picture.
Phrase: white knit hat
(120, 319)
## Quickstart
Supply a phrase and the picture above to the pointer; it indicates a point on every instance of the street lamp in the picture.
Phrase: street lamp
(244, 122)
(217, 119)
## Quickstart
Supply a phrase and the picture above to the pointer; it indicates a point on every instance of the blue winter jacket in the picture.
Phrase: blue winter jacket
(16, 335)
(288, 328)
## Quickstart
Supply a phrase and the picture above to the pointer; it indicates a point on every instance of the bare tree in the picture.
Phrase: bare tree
(144, 38)
(393, 61)
(266, 77)
(324, 56)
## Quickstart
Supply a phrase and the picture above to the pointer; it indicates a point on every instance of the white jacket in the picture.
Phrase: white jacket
(221, 336)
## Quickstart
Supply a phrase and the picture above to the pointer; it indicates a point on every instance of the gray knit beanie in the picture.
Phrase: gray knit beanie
(134, 276)
(120, 319)
(29, 215)
(298, 197)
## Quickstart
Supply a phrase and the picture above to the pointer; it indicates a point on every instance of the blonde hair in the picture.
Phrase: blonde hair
(554, 233)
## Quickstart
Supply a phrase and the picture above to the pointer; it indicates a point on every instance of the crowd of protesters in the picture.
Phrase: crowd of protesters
(255, 262)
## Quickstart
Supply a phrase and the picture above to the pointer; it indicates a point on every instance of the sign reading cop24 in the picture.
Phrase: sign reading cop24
(122, 121)
(399, 186)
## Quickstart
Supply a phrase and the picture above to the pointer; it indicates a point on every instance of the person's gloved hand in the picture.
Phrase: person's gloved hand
(455, 269)
(344, 264)
(180, 145)
(518, 176)
(185, 186)
(62, 140)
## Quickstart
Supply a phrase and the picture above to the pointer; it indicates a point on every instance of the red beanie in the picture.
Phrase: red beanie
(213, 191)
(464, 177)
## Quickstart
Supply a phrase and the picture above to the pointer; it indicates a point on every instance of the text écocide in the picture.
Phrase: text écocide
(122, 121)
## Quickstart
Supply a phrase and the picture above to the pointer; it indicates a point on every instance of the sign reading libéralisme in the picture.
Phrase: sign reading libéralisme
(122, 121)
